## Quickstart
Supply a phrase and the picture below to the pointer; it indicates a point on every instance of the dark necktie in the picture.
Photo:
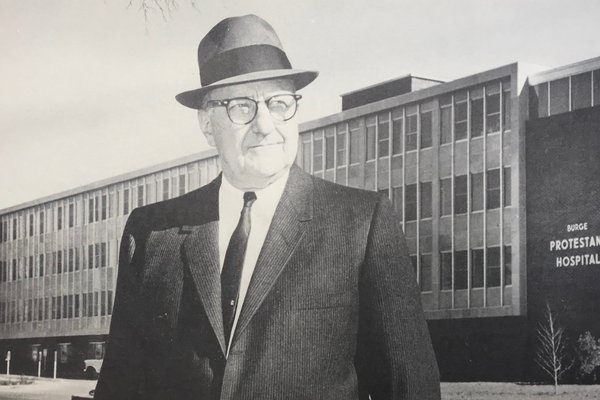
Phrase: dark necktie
(233, 264)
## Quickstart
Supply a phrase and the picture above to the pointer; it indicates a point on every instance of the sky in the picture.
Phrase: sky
(87, 87)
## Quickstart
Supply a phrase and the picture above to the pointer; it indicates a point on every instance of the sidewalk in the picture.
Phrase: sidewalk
(45, 388)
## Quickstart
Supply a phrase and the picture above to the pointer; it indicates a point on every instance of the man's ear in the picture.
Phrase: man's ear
(206, 126)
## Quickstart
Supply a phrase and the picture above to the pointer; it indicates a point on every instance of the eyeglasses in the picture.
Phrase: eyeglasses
(243, 110)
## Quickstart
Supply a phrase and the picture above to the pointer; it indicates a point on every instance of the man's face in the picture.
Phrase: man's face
(255, 154)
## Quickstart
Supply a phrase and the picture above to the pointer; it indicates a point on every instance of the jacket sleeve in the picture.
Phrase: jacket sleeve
(395, 358)
(120, 376)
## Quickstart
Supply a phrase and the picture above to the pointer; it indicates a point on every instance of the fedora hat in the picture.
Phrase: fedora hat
(238, 50)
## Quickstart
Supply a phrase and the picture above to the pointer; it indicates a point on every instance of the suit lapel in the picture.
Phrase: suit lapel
(201, 250)
(285, 233)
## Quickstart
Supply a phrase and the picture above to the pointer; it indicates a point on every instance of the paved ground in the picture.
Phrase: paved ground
(47, 389)
(62, 389)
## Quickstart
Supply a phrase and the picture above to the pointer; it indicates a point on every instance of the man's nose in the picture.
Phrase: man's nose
(263, 122)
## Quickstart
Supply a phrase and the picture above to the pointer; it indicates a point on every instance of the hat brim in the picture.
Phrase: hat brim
(193, 98)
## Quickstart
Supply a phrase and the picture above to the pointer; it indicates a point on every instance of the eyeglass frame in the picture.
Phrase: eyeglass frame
(225, 103)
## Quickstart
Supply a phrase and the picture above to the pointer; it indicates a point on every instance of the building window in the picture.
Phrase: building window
(492, 108)
(425, 273)
(426, 128)
(165, 188)
(77, 259)
(96, 304)
(461, 271)
(103, 255)
(460, 194)
(410, 213)
(14, 229)
(371, 136)
(110, 302)
(59, 218)
(559, 96)
(446, 270)
(91, 210)
(596, 89)
(71, 260)
(383, 133)
(397, 131)
(355, 141)
(329, 148)
(493, 267)
(112, 205)
(30, 267)
(104, 207)
(476, 112)
(76, 312)
(140, 195)
(97, 209)
(425, 199)
(31, 225)
(59, 261)
(182, 185)
(42, 265)
(493, 189)
(174, 187)
(340, 145)
(70, 307)
(126, 201)
(506, 102)
(96, 255)
(90, 256)
(103, 303)
(89, 300)
(507, 265)
(71, 215)
(477, 191)
(581, 91)
(477, 268)
(411, 128)
(84, 305)
(460, 116)
(318, 151)
(306, 156)
(397, 199)
(64, 352)
(507, 185)
(446, 123)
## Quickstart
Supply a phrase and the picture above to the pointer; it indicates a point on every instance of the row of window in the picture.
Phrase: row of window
(56, 262)
(461, 115)
(422, 208)
(92, 304)
(99, 208)
(485, 269)
(565, 94)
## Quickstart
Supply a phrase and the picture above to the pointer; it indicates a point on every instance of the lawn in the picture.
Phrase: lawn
(513, 391)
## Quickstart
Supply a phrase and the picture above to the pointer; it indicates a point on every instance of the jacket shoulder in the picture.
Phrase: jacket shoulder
(196, 206)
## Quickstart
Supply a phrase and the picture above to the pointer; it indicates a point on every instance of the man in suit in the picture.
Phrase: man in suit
(267, 283)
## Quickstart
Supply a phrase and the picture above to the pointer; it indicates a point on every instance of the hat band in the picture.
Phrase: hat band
(243, 60)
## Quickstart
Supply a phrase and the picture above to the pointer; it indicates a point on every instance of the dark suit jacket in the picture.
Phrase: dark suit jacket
(332, 311)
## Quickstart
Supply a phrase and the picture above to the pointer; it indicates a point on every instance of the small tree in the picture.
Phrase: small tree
(588, 352)
(551, 353)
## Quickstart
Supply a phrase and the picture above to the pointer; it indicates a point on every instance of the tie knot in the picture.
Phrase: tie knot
(249, 198)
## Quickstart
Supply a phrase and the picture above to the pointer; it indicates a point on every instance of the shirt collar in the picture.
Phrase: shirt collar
(267, 197)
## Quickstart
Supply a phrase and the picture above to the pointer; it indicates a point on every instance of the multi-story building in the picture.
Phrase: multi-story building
(455, 158)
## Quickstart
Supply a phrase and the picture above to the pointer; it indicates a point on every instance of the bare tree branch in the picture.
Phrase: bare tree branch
(551, 354)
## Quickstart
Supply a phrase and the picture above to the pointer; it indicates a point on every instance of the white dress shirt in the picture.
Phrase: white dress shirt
(231, 202)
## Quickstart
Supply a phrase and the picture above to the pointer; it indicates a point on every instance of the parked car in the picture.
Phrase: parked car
(92, 368)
